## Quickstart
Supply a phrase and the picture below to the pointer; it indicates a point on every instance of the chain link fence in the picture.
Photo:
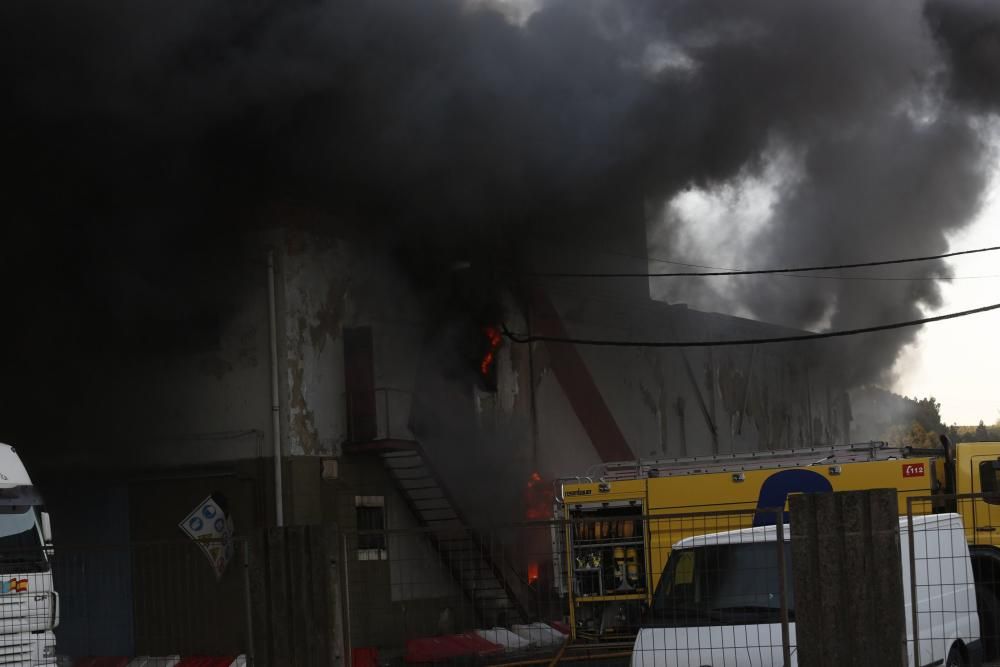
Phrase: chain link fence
(139, 599)
(952, 570)
(668, 588)
(579, 588)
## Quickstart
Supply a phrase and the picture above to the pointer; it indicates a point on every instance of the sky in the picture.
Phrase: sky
(958, 361)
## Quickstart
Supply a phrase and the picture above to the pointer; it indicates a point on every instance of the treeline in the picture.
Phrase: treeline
(900, 420)
(980, 433)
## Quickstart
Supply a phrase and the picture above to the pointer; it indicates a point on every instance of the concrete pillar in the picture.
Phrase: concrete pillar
(848, 580)
(296, 597)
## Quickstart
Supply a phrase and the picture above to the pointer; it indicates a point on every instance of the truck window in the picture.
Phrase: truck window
(724, 584)
(989, 481)
(20, 544)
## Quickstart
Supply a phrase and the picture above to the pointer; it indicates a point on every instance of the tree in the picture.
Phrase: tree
(982, 435)
(928, 415)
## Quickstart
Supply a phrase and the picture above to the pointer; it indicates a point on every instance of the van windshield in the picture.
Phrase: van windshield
(20, 544)
(723, 584)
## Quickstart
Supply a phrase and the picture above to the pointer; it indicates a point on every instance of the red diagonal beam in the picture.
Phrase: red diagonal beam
(578, 384)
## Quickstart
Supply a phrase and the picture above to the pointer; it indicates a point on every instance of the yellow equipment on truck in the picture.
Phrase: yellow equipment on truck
(623, 518)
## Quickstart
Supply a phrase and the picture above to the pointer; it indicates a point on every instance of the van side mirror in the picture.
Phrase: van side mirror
(46, 528)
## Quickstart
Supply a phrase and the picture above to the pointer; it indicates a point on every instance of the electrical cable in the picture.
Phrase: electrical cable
(748, 272)
(531, 338)
(887, 278)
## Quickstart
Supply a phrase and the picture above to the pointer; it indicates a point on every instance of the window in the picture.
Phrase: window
(20, 540)
(723, 584)
(989, 481)
(370, 513)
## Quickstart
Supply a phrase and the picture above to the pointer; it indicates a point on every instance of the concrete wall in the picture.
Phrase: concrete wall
(702, 401)
(405, 594)
(329, 284)
(212, 406)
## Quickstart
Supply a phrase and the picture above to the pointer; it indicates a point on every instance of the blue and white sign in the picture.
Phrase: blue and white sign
(212, 529)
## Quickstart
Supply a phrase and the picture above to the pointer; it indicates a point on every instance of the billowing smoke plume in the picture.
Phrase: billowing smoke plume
(969, 33)
(875, 113)
(141, 137)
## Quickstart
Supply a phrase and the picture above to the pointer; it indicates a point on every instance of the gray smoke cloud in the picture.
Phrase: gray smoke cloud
(969, 33)
(880, 110)
(141, 136)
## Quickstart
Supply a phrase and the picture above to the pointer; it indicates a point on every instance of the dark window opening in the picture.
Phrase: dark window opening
(359, 377)
(723, 584)
(371, 519)
(989, 481)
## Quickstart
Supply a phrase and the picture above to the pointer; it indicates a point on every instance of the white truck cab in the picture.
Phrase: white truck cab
(718, 602)
(29, 605)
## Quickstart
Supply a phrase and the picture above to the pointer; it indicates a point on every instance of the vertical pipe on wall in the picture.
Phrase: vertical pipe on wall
(279, 511)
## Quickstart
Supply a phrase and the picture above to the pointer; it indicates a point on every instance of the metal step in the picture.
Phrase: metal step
(458, 546)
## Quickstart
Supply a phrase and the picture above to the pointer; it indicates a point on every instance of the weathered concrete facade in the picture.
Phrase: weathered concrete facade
(366, 361)
(558, 409)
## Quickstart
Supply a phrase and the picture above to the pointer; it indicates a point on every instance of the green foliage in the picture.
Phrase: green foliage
(978, 433)
(928, 415)
(919, 425)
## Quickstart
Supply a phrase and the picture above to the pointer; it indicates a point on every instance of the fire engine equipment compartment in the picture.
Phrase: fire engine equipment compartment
(608, 565)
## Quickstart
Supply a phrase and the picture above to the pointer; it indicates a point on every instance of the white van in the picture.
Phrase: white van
(718, 602)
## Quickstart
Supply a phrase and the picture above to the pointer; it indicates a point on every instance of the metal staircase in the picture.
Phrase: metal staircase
(497, 593)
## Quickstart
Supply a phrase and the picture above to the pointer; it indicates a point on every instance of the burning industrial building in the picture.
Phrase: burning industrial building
(271, 249)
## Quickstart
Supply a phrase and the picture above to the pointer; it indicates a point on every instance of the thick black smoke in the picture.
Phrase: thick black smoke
(143, 138)
(878, 109)
(969, 33)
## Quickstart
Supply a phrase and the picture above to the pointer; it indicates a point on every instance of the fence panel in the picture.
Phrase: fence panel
(295, 586)
(153, 598)
(725, 593)
(951, 572)
(579, 588)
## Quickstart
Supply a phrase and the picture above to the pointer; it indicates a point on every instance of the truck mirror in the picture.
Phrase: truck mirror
(46, 528)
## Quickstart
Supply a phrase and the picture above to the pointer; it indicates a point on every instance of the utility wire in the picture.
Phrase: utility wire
(531, 338)
(660, 260)
(887, 278)
(748, 272)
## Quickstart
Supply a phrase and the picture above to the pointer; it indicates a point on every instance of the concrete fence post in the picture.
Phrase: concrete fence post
(847, 577)
(296, 597)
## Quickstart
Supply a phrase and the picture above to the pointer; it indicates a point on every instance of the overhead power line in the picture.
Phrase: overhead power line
(750, 272)
(886, 278)
(531, 338)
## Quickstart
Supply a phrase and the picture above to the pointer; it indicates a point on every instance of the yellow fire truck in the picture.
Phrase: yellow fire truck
(623, 517)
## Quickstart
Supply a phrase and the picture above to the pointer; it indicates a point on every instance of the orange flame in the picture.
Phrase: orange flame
(495, 338)
(538, 498)
(532, 573)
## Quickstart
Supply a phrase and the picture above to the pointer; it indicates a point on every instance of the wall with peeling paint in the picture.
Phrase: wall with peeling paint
(685, 402)
(316, 279)
(213, 406)
(327, 285)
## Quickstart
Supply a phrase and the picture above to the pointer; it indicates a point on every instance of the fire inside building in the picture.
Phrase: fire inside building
(342, 386)
(288, 287)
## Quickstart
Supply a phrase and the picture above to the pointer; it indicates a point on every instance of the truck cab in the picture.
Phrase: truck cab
(29, 605)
